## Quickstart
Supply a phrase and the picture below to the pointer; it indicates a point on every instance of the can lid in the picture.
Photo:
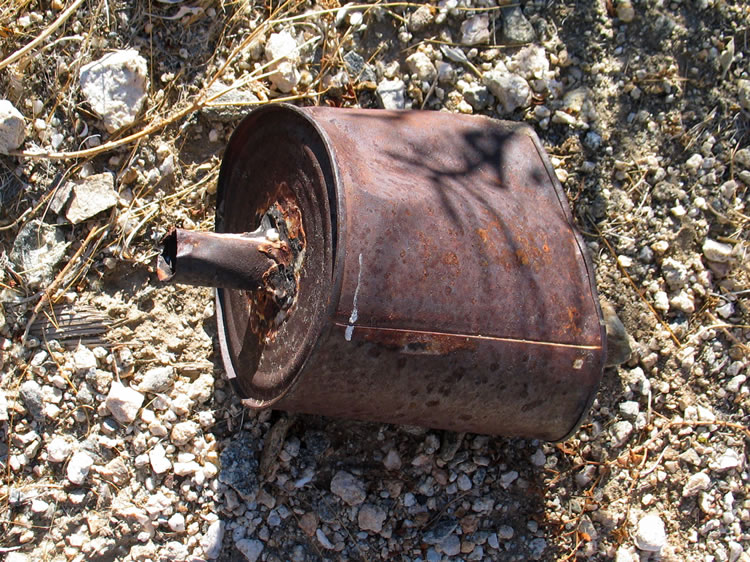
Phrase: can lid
(276, 165)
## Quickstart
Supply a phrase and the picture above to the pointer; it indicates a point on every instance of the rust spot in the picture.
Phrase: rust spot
(415, 343)
(482, 232)
(450, 258)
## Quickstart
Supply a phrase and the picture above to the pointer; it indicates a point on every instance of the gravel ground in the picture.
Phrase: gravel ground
(121, 440)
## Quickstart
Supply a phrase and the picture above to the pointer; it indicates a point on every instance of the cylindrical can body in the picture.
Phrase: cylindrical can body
(457, 293)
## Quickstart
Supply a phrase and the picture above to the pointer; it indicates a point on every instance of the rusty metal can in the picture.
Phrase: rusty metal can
(437, 277)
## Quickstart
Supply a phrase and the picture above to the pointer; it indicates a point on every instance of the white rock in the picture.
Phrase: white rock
(282, 47)
(123, 402)
(728, 460)
(12, 127)
(716, 251)
(59, 449)
(3, 407)
(211, 541)
(650, 535)
(91, 196)
(157, 379)
(78, 467)
(697, 482)
(371, 518)
(621, 432)
(694, 163)
(421, 65)
(475, 30)
(251, 549)
(84, 359)
(115, 87)
(392, 94)
(348, 488)
(624, 554)
(743, 93)
(683, 301)
(177, 522)
(531, 62)
(157, 456)
(184, 432)
(186, 468)
(39, 506)
(511, 90)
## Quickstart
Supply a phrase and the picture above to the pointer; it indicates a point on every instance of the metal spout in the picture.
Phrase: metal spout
(209, 259)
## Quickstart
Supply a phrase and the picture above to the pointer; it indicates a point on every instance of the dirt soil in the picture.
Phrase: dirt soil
(120, 437)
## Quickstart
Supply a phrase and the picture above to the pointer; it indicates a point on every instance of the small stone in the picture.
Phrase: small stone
(464, 483)
(371, 518)
(477, 95)
(621, 432)
(421, 65)
(451, 546)
(12, 127)
(37, 250)
(716, 251)
(629, 409)
(625, 10)
(392, 460)
(3, 407)
(698, 482)
(538, 458)
(282, 48)
(184, 432)
(239, 466)
(59, 449)
(694, 163)
(618, 341)
(158, 459)
(683, 301)
(39, 506)
(348, 488)
(420, 18)
(508, 478)
(650, 535)
(123, 402)
(157, 379)
(475, 30)
(505, 533)
(563, 118)
(392, 94)
(440, 530)
(31, 394)
(212, 539)
(115, 87)
(91, 196)
(537, 548)
(728, 460)
(177, 522)
(78, 467)
(511, 90)
(743, 93)
(84, 359)
(251, 549)
(323, 540)
(516, 28)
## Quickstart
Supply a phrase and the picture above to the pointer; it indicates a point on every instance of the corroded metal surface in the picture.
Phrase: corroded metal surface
(443, 282)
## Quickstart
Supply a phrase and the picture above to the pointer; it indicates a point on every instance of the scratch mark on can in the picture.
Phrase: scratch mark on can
(353, 317)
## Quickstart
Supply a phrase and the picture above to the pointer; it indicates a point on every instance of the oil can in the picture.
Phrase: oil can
(409, 267)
